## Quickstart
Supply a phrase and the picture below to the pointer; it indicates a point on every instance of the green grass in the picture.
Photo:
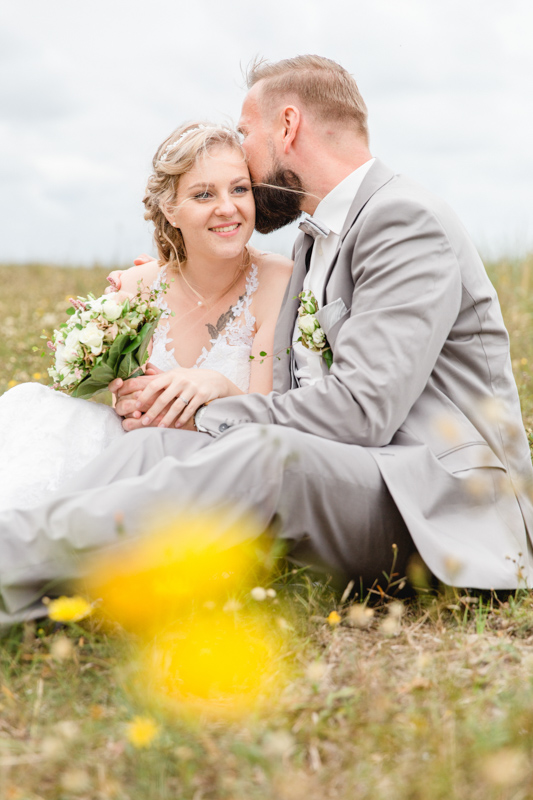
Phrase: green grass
(431, 699)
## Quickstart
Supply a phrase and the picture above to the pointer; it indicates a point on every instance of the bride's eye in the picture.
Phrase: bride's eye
(241, 189)
(202, 195)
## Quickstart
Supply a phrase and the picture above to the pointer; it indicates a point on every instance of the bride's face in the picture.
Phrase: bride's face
(215, 208)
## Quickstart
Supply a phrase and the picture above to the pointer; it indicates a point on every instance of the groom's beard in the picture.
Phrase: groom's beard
(276, 207)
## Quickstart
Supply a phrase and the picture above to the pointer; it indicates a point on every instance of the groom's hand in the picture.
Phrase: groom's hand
(127, 393)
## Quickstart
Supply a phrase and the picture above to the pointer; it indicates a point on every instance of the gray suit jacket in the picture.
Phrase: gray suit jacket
(421, 377)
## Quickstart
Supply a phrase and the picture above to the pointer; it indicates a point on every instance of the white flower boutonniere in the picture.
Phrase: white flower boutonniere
(312, 335)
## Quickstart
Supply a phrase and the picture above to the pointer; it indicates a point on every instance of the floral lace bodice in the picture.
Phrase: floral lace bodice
(229, 352)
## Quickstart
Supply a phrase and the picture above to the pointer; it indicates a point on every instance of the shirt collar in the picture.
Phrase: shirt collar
(333, 208)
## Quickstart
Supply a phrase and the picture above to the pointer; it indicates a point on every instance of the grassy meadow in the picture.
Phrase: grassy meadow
(424, 699)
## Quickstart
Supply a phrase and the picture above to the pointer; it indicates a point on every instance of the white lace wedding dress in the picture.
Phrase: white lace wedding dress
(46, 436)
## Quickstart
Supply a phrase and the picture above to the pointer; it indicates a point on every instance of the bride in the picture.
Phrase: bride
(219, 315)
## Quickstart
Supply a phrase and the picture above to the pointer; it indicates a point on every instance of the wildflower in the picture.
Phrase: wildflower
(69, 609)
(258, 593)
(271, 593)
(316, 671)
(61, 649)
(218, 665)
(36, 376)
(195, 559)
(75, 780)
(11, 384)
(506, 767)
(360, 616)
(334, 619)
(142, 731)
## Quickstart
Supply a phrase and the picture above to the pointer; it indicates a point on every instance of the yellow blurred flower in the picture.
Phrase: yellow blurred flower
(36, 376)
(69, 609)
(219, 665)
(11, 384)
(334, 619)
(141, 731)
(150, 582)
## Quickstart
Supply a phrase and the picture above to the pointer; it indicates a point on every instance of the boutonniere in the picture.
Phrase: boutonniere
(312, 334)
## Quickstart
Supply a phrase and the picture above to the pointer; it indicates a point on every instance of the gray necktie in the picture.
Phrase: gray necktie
(313, 227)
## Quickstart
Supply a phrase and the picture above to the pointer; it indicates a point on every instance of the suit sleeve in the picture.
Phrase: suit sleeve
(406, 298)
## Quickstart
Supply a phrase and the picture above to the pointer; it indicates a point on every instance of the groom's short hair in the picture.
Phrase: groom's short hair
(324, 87)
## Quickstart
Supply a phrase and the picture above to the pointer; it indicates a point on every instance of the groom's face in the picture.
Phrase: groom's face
(275, 207)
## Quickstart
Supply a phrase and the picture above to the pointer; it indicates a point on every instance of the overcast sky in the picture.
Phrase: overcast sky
(89, 90)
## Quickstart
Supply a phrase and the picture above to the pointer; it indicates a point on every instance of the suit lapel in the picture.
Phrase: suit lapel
(283, 370)
(377, 176)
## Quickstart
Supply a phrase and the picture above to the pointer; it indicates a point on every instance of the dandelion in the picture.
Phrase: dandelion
(334, 619)
(36, 376)
(141, 731)
(69, 609)
(11, 384)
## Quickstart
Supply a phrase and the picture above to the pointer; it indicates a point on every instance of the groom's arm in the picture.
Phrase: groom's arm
(406, 298)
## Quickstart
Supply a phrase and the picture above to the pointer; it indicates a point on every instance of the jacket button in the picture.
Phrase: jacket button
(223, 427)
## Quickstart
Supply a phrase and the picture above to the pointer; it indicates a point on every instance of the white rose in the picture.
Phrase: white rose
(93, 337)
(85, 316)
(111, 309)
(73, 339)
(68, 378)
(96, 305)
(70, 350)
(318, 337)
(308, 323)
(60, 360)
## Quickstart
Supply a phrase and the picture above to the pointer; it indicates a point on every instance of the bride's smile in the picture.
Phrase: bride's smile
(214, 206)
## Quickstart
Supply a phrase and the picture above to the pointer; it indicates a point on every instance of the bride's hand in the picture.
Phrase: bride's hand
(115, 277)
(184, 391)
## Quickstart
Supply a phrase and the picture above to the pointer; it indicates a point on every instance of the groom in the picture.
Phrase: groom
(412, 438)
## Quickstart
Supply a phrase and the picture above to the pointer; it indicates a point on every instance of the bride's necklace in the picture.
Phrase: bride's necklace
(211, 302)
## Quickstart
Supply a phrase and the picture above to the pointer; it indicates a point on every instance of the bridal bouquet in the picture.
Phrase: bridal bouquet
(105, 338)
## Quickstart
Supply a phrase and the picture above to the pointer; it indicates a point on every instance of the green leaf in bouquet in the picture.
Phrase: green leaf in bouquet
(133, 345)
(71, 311)
(128, 365)
(112, 356)
(147, 331)
(96, 382)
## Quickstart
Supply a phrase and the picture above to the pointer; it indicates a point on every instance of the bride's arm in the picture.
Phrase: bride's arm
(273, 274)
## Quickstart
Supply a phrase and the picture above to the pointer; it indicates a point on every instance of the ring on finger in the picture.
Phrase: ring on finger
(183, 400)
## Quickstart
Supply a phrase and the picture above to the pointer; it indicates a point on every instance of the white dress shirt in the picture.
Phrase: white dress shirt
(310, 367)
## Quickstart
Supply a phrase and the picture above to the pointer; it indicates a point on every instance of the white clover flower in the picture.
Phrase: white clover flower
(308, 323)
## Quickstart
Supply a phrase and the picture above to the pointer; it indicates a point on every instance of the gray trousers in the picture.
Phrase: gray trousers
(327, 499)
